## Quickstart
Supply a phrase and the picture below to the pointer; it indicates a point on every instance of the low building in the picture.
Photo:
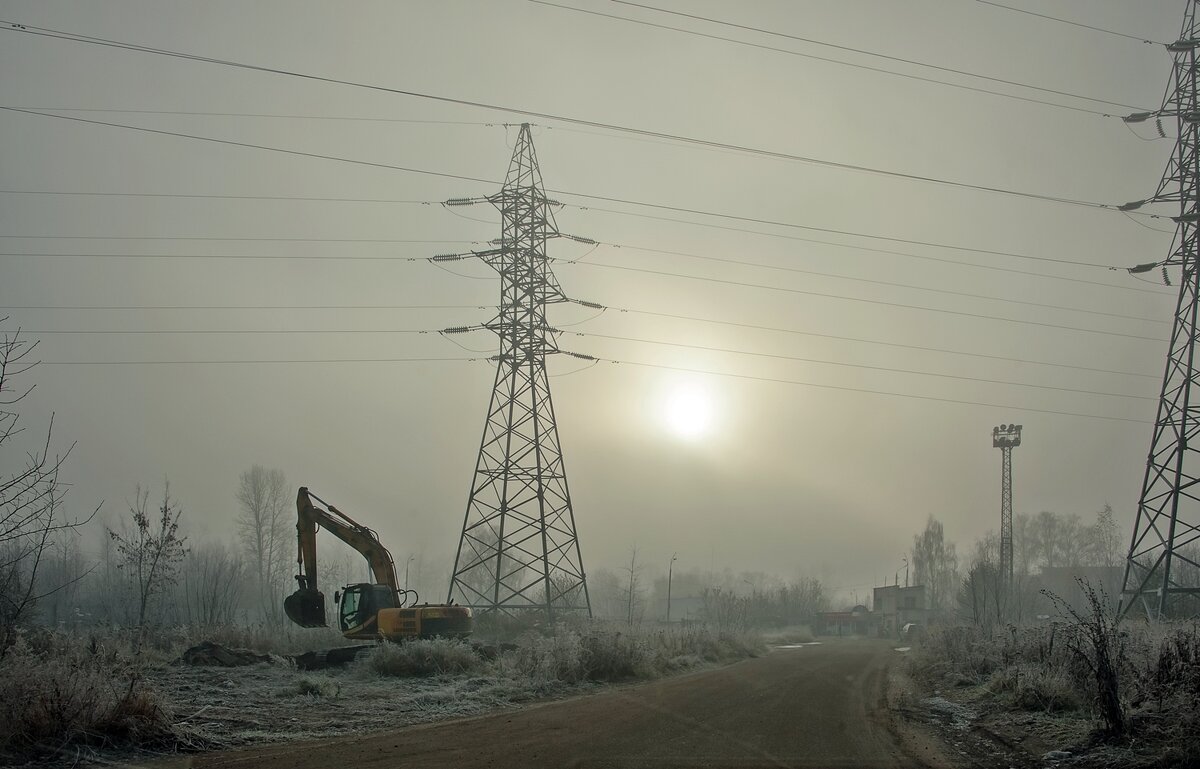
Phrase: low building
(895, 606)
(1067, 582)
(856, 621)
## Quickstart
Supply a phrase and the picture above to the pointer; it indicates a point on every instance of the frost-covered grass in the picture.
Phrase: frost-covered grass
(794, 634)
(61, 694)
(1049, 669)
(87, 692)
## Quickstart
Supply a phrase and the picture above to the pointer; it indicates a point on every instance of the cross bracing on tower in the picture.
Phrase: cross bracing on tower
(518, 549)
(1162, 570)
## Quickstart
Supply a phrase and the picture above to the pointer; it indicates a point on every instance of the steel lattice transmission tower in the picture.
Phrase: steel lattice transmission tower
(1006, 438)
(518, 550)
(1162, 551)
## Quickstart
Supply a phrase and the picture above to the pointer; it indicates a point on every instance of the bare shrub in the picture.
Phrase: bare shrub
(1096, 642)
(70, 694)
(422, 657)
(318, 686)
(1036, 688)
(607, 654)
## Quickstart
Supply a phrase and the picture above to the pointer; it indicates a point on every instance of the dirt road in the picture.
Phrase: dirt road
(812, 706)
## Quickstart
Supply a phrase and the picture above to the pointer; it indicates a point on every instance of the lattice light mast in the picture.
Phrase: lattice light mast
(518, 550)
(1161, 569)
(1006, 438)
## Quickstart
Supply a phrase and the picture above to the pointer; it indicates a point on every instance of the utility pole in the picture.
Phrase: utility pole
(1168, 515)
(1006, 438)
(670, 568)
(518, 550)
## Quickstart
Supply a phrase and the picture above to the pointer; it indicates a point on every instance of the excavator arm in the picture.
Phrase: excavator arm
(306, 607)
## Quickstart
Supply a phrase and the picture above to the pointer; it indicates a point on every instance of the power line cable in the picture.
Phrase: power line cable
(874, 54)
(788, 290)
(196, 113)
(608, 199)
(776, 380)
(594, 335)
(873, 281)
(899, 345)
(413, 259)
(250, 361)
(1068, 21)
(866, 67)
(888, 369)
(582, 208)
(219, 196)
(855, 247)
(248, 307)
(72, 37)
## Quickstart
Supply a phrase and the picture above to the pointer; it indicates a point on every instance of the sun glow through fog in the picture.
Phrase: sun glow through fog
(688, 411)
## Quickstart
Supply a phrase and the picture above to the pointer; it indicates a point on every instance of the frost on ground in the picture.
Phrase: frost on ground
(229, 707)
(74, 698)
(1029, 695)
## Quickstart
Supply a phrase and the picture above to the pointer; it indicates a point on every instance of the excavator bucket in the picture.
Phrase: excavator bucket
(306, 607)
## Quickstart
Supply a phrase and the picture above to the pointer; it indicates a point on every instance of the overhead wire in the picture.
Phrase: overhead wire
(872, 281)
(856, 247)
(878, 302)
(1071, 23)
(880, 70)
(922, 348)
(888, 369)
(579, 260)
(764, 233)
(198, 113)
(601, 310)
(780, 380)
(209, 362)
(586, 196)
(864, 52)
(10, 26)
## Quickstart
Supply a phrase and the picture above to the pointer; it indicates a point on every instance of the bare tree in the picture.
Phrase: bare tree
(31, 498)
(935, 565)
(269, 541)
(150, 552)
(1106, 539)
(634, 591)
(212, 580)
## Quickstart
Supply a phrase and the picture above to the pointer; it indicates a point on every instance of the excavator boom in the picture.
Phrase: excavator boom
(368, 610)
(306, 607)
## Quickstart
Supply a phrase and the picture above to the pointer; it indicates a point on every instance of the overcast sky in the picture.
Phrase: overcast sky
(827, 478)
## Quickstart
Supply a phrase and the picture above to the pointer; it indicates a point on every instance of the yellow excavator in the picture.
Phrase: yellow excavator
(377, 611)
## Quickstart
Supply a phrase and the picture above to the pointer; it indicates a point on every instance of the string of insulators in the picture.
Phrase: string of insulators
(1142, 268)
(581, 239)
(446, 257)
(580, 355)
(593, 305)
(456, 330)
(1166, 277)
(461, 202)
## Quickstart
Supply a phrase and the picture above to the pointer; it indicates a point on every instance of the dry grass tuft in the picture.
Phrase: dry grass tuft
(75, 694)
(436, 656)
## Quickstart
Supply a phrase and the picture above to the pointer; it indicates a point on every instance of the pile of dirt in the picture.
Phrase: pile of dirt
(211, 654)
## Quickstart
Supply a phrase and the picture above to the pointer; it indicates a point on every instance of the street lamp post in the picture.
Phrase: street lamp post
(670, 570)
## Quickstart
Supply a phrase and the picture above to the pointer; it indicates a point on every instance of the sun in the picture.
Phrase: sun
(687, 411)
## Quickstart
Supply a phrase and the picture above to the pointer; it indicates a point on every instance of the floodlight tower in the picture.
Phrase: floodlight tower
(1162, 550)
(1006, 438)
(518, 550)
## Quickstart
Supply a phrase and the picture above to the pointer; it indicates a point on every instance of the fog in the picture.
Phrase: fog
(800, 468)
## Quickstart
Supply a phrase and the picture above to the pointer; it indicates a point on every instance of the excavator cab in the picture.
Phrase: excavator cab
(360, 606)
